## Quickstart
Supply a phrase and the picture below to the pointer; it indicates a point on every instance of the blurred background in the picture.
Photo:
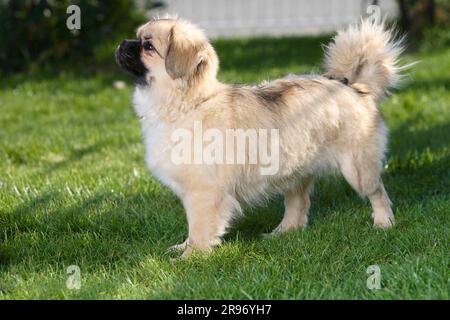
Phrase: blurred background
(237, 18)
(33, 32)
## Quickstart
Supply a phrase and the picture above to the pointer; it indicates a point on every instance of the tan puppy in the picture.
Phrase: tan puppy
(322, 122)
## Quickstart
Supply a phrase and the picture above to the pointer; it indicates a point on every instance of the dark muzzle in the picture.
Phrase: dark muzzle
(128, 57)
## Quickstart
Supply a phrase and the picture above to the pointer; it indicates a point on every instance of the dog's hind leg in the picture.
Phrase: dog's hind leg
(362, 171)
(297, 203)
(381, 205)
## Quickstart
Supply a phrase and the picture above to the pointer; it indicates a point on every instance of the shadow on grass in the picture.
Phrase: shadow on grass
(123, 229)
(103, 228)
(77, 154)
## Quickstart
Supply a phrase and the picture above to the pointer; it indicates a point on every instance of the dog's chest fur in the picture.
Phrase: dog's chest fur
(156, 135)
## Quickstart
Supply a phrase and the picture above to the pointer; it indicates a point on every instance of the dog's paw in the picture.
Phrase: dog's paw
(384, 222)
(189, 249)
(281, 228)
(178, 247)
(199, 252)
(275, 232)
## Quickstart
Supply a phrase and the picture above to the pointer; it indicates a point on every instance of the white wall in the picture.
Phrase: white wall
(237, 18)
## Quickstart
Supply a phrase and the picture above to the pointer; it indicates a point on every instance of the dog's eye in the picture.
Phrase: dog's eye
(148, 46)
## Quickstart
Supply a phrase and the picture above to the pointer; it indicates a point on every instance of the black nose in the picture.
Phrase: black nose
(128, 57)
(129, 44)
(127, 49)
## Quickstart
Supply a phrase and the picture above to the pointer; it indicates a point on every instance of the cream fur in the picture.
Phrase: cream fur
(323, 124)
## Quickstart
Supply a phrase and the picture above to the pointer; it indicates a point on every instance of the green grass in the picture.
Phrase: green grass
(74, 190)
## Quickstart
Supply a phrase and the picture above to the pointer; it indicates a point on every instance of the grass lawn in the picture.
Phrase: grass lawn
(74, 190)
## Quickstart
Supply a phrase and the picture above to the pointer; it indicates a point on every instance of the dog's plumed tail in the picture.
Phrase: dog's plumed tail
(366, 55)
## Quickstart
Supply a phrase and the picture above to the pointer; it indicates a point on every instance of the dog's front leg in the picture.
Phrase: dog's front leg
(208, 214)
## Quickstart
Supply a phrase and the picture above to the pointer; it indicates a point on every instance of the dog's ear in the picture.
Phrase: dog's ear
(184, 55)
